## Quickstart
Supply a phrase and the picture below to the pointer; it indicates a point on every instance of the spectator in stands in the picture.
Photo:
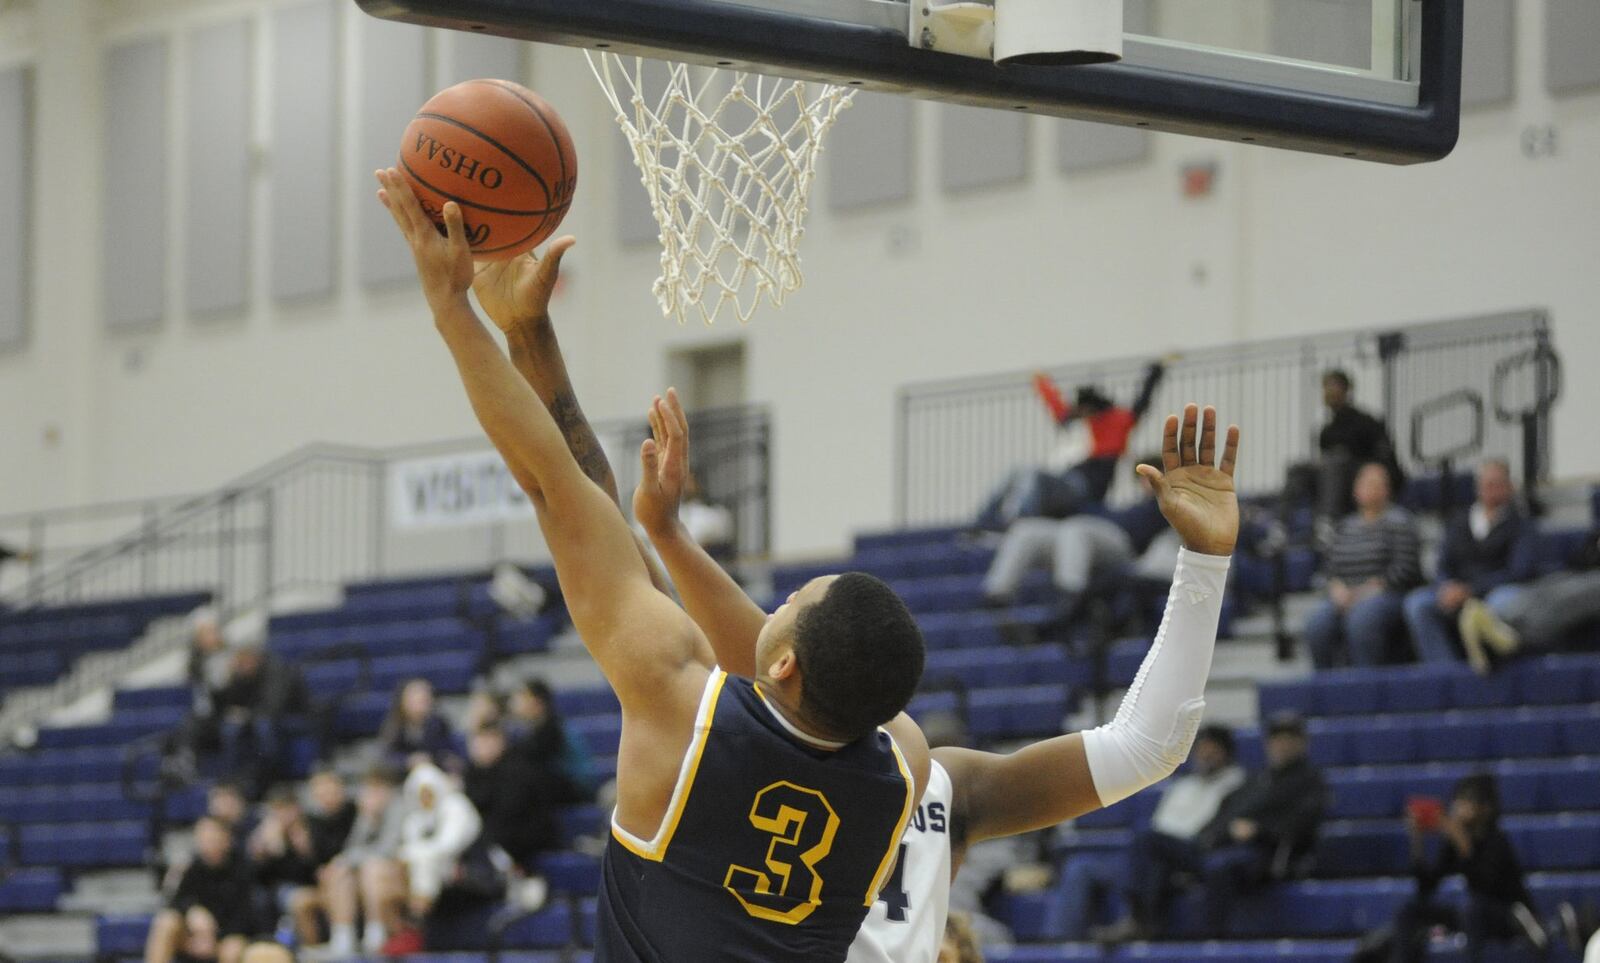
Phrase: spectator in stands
(1472, 844)
(261, 692)
(226, 803)
(1487, 552)
(960, 944)
(284, 855)
(438, 827)
(1372, 561)
(1079, 470)
(207, 673)
(367, 871)
(540, 735)
(210, 914)
(1350, 439)
(515, 799)
(1145, 874)
(1267, 827)
(484, 708)
(330, 820)
(1543, 618)
(1084, 548)
(414, 732)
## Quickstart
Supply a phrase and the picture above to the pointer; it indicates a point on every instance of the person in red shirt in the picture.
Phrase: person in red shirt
(1094, 433)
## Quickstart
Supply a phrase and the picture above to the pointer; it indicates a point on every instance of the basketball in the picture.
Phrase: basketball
(499, 151)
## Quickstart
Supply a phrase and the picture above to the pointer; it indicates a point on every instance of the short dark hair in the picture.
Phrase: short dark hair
(538, 688)
(227, 785)
(384, 773)
(283, 794)
(1481, 788)
(860, 654)
(1340, 375)
(1221, 736)
(1089, 396)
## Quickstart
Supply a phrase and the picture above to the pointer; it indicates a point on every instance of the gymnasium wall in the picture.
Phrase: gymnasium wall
(1048, 267)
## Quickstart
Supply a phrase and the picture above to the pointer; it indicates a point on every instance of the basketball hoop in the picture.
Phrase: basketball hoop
(728, 159)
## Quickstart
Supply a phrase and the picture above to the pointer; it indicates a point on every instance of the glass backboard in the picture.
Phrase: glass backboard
(1369, 79)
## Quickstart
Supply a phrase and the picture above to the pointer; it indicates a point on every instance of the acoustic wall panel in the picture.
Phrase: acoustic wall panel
(1324, 31)
(394, 83)
(1572, 42)
(474, 55)
(1487, 53)
(216, 192)
(869, 152)
(135, 179)
(16, 175)
(305, 151)
(981, 147)
(1083, 146)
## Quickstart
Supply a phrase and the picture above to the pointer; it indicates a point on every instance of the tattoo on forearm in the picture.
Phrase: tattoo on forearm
(581, 439)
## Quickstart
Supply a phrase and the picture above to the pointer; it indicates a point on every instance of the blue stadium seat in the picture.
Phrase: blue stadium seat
(157, 697)
(984, 667)
(84, 845)
(600, 734)
(550, 928)
(31, 890)
(573, 873)
(591, 701)
(121, 935)
(1035, 710)
(450, 672)
(582, 820)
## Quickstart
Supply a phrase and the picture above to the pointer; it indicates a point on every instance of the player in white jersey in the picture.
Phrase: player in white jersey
(972, 796)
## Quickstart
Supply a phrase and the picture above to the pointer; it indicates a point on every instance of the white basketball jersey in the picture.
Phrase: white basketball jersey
(906, 924)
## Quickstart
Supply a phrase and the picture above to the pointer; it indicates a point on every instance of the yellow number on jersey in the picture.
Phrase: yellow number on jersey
(802, 825)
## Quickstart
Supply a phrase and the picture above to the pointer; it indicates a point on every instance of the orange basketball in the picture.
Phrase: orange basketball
(498, 150)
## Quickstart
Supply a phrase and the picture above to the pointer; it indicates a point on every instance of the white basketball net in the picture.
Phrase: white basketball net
(728, 159)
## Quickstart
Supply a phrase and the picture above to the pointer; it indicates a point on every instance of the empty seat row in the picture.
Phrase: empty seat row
(84, 845)
(31, 890)
(63, 766)
(1550, 680)
(1441, 737)
(1526, 786)
(1564, 841)
(379, 639)
(123, 727)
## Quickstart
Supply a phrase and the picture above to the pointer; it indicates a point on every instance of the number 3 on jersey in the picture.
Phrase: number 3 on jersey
(802, 825)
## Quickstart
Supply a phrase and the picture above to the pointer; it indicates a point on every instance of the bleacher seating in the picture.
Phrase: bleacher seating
(38, 645)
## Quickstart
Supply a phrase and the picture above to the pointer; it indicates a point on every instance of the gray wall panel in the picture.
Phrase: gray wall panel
(135, 177)
(981, 147)
(1487, 53)
(869, 152)
(217, 183)
(474, 55)
(1084, 146)
(16, 142)
(636, 223)
(394, 83)
(305, 150)
(1572, 41)
(1324, 31)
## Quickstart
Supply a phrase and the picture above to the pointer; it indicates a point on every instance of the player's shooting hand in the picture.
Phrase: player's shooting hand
(1196, 496)
(664, 458)
(518, 291)
(444, 262)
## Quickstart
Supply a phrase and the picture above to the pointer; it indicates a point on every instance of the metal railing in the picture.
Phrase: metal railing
(956, 440)
(320, 517)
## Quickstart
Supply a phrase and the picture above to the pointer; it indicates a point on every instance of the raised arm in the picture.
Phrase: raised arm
(730, 620)
(515, 294)
(637, 635)
(1058, 779)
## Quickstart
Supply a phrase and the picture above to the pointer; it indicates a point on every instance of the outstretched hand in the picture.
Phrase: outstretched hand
(444, 261)
(664, 460)
(1196, 497)
(518, 291)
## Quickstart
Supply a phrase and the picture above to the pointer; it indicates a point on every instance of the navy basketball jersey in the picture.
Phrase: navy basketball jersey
(771, 850)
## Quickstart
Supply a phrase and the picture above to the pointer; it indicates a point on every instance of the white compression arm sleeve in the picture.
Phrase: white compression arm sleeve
(1154, 727)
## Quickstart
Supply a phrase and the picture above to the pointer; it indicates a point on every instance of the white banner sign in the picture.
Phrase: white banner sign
(449, 491)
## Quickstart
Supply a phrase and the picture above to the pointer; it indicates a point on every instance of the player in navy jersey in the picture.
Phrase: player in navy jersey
(971, 795)
(756, 818)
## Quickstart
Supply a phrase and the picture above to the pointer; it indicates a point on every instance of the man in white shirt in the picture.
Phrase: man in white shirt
(1188, 804)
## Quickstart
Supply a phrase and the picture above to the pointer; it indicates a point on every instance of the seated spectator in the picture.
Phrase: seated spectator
(1372, 561)
(330, 821)
(1093, 435)
(484, 708)
(1189, 802)
(261, 691)
(366, 874)
(1473, 845)
(1543, 618)
(415, 733)
(515, 799)
(285, 860)
(1082, 548)
(226, 803)
(1488, 550)
(538, 733)
(437, 829)
(1267, 826)
(210, 913)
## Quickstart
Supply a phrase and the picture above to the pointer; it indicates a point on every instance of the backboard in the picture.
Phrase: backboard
(1370, 79)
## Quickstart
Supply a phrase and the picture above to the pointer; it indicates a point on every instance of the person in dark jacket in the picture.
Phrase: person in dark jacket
(210, 915)
(1094, 432)
(1372, 561)
(1266, 826)
(1487, 553)
(1472, 845)
(262, 690)
(1543, 618)
(414, 732)
(1350, 439)
(515, 799)
(538, 733)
